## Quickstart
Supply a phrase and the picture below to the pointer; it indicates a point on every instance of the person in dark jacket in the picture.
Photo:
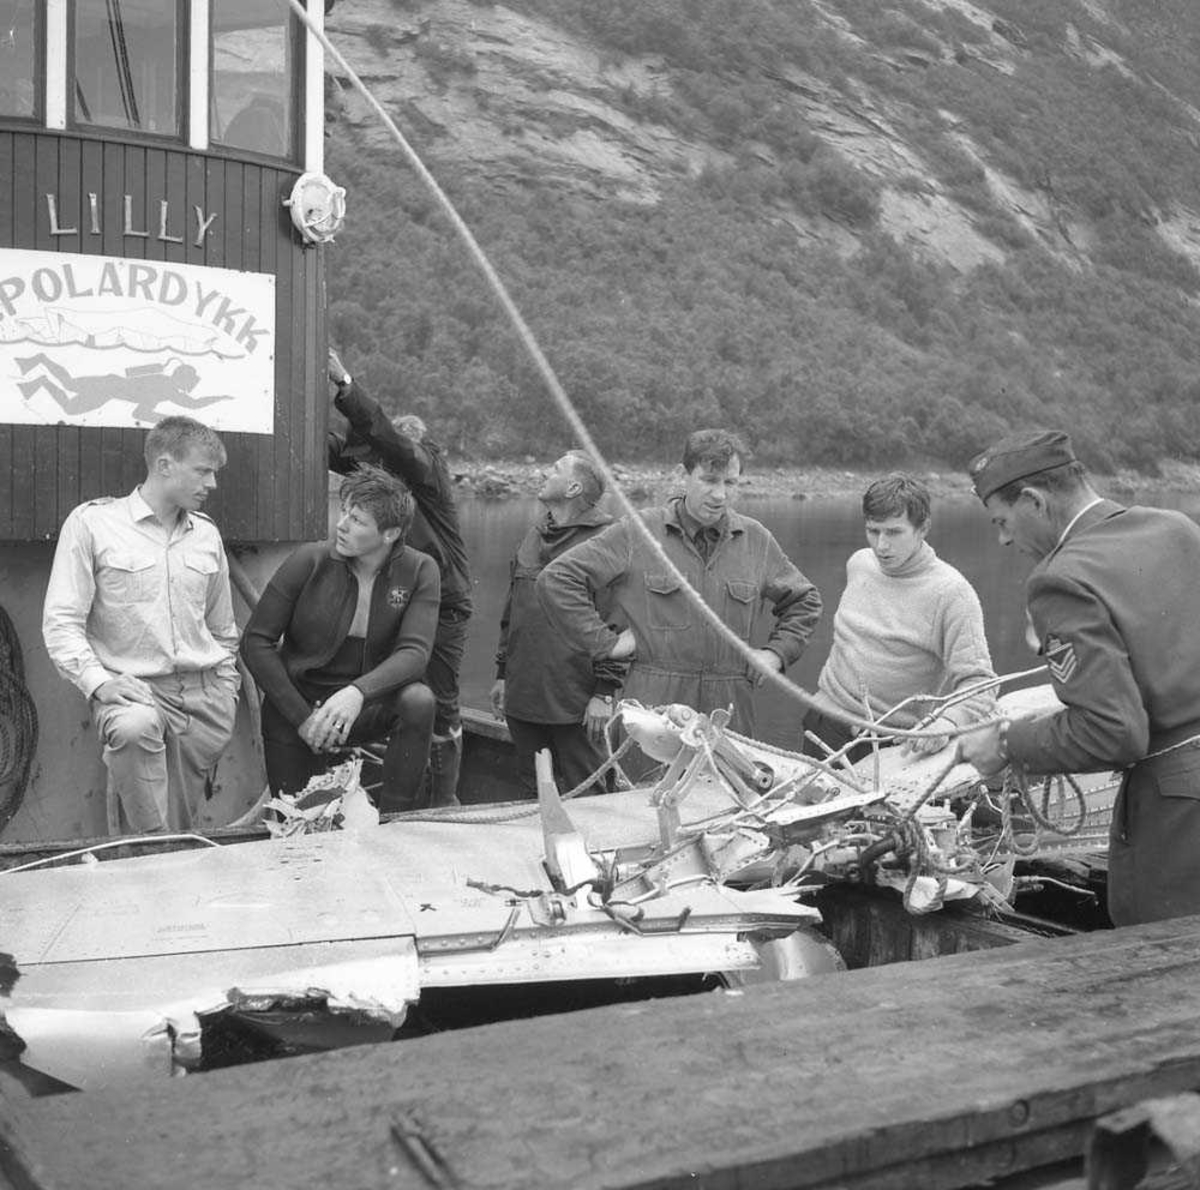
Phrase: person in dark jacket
(339, 643)
(402, 447)
(549, 691)
(734, 564)
(1114, 601)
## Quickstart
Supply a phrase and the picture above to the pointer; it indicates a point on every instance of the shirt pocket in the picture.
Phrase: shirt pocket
(666, 603)
(196, 573)
(128, 578)
(741, 599)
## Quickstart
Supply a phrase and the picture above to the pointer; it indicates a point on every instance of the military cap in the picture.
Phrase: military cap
(1017, 457)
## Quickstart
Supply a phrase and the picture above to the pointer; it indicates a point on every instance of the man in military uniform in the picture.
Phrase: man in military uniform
(1114, 601)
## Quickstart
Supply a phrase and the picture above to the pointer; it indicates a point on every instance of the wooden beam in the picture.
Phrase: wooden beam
(929, 1074)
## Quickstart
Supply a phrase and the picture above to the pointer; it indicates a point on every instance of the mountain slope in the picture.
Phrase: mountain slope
(863, 235)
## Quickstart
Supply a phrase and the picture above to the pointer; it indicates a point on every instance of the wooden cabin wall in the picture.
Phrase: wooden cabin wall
(274, 487)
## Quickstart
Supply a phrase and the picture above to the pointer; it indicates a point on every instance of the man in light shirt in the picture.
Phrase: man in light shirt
(908, 624)
(139, 617)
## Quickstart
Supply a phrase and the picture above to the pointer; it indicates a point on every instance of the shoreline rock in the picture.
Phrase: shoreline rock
(644, 483)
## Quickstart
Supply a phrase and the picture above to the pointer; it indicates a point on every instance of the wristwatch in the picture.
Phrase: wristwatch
(345, 380)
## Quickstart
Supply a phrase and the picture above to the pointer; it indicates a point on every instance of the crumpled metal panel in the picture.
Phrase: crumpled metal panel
(114, 1022)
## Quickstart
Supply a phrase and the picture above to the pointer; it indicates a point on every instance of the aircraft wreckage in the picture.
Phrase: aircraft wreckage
(124, 964)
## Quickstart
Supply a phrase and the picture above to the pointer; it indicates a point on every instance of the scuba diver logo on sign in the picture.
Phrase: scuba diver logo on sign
(106, 341)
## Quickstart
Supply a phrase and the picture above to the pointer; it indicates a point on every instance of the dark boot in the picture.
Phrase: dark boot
(445, 760)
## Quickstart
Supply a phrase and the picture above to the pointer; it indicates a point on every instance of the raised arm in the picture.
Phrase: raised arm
(399, 453)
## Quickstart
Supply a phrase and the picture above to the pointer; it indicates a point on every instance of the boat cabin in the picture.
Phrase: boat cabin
(163, 211)
(148, 262)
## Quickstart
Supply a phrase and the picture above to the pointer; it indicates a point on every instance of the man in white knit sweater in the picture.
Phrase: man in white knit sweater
(907, 624)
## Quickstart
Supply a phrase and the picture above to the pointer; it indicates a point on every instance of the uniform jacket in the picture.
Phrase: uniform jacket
(680, 657)
(547, 677)
(305, 613)
(1116, 607)
(436, 530)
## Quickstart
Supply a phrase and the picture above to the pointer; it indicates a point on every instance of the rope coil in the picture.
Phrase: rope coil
(18, 723)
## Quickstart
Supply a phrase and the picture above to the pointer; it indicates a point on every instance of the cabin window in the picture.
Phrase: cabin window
(256, 72)
(127, 65)
(19, 59)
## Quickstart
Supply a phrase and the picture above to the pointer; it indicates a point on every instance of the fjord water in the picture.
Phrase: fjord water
(818, 535)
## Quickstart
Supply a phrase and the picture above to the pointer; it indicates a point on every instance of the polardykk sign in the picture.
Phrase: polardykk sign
(108, 341)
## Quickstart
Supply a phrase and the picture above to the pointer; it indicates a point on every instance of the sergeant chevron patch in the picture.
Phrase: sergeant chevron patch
(1060, 657)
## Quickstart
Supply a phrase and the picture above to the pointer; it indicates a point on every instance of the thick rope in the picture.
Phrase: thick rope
(1017, 784)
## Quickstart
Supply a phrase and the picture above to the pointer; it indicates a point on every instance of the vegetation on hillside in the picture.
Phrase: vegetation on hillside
(709, 307)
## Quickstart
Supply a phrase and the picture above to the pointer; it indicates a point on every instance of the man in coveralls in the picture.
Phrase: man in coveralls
(1115, 603)
(732, 561)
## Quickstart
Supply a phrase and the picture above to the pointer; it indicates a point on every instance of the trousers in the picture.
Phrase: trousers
(574, 755)
(160, 758)
(404, 719)
(1153, 871)
(445, 660)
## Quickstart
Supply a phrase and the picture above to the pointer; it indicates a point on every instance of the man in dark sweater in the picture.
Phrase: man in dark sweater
(401, 447)
(549, 691)
(339, 641)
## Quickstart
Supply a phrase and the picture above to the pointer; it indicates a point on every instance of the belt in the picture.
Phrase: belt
(1172, 741)
(1170, 738)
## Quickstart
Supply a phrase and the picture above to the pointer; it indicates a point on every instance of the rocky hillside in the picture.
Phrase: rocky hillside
(863, 232)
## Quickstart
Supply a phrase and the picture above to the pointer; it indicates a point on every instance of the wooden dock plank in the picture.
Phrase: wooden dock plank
(945, 1071)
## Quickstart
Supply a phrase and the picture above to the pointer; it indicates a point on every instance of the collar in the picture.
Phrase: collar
(1075, 519)
(923, 557)
(140, 511)
(394, 556)
(679, 518)
(585, 517)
